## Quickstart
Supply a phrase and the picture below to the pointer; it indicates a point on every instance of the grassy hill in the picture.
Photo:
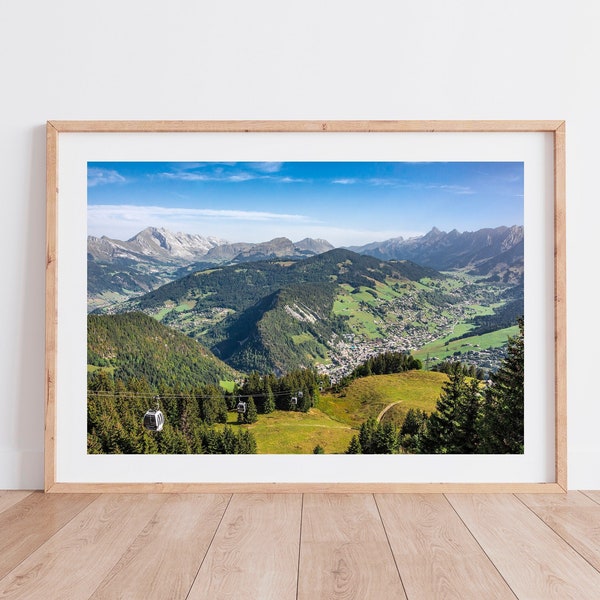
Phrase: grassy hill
(284, 432)
(368, 396)
(337, 417)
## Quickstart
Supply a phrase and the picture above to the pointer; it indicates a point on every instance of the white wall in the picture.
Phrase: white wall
(268, 59)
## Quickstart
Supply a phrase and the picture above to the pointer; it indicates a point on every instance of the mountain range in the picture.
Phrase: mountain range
(160, 246)
(497, 251)
(119, 270)
(152, 245)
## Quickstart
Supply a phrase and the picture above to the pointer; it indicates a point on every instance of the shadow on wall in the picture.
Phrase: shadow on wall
(29, 349)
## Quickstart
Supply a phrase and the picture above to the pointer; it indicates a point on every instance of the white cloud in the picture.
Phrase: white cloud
(288, 179)
(384, 181)
(97, 176)
(376, 181)
(267, 167)
(124, 221)
(235, 177)
(454, 189)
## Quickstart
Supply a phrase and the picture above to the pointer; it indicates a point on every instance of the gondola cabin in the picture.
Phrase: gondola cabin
(154, 420)
(241, 407)
(294, 401)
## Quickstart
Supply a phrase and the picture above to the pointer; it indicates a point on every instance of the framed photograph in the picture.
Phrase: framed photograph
(305, 306)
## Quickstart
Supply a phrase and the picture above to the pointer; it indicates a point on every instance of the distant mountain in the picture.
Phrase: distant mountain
(507, 266)
(136, 345)
(226, 252)
(485, 251)
(119, 270)
(280, 247)
(154, 245)
(313, 246)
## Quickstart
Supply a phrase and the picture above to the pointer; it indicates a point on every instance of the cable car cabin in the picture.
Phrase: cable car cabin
(154, 420)
(294, 400)
(241, 407)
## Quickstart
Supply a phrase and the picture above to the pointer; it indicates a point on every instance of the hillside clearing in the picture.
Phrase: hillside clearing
(368, 396)
(283, 432)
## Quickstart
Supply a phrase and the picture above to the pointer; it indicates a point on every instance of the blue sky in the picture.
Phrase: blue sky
(346, 203)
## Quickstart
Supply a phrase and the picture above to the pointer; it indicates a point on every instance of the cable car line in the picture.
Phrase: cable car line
(187, 397)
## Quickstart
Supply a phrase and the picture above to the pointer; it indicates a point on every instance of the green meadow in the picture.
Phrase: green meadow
(337, 417)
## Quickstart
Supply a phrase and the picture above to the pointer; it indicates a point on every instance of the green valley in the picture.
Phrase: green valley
(294, 342)
(332, 310)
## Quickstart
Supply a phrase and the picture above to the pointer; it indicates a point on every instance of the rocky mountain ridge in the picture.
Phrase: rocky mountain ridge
(155, 244)
(452, 250)
(118, 270)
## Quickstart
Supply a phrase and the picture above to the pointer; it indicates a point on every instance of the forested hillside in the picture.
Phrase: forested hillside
(134, 345)
(116, 411)
(282, 315)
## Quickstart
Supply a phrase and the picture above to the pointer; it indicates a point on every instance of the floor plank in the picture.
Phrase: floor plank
(286, 547)
(574, 516)
(33, 521)
(593, 494)
(164, 559)
(254, 554)
(534, 560)
(436, 555)
(9, 498)
(345, 553)
(75, 560)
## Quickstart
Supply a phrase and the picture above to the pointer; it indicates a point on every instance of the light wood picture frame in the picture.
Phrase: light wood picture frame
(71, 144)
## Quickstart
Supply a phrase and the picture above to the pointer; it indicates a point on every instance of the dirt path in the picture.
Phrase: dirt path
(380, 415)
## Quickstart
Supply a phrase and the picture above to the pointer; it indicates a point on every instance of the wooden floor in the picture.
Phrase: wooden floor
(299, 546)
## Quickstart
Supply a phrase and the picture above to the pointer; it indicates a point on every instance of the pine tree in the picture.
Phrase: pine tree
(453, 427)
(246, 442)
(365, 435)
(469, 438)
(251, 415)
(354, 447)
(385, 439)
(269, 405)
(412, 429)
(227, 441)
(502, 421)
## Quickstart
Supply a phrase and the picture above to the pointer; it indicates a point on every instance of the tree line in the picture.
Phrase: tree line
(116, 410)
(382, 364)
(297, 390)
(469, 370)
